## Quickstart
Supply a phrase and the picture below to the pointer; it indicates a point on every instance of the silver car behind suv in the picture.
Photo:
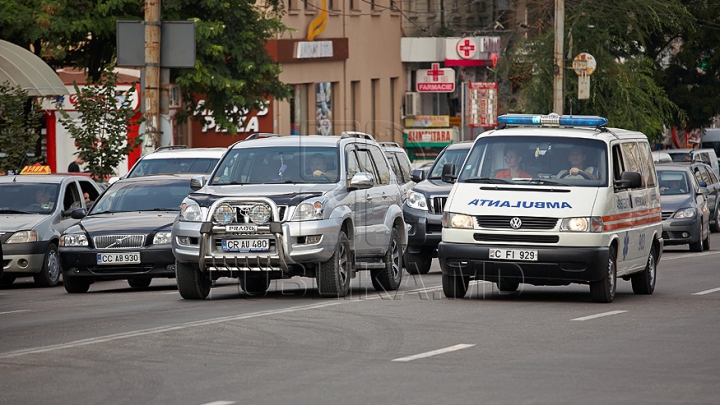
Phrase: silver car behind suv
(282, 206)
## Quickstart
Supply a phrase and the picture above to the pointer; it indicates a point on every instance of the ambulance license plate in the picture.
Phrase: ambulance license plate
(514, 254)
(246, 245)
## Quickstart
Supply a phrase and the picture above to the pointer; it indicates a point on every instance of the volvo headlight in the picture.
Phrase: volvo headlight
(260, 214)
(685, 213)
(74, 239)
(23, 237)
(190, 211)
(452, 220)
(416, 200)
(309, 210)
(161, 238)
(224, 214)
(582, 224)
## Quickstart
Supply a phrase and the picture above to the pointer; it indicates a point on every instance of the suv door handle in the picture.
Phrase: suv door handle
(385, 195)
(369, 197)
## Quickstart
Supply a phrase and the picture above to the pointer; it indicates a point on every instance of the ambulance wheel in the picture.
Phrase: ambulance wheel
(455, 286)
(644, 282)
(604, 290)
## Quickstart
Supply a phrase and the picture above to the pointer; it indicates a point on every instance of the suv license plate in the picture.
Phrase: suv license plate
(118, 258)
(241, 228)
(246, 245)
(514, 254)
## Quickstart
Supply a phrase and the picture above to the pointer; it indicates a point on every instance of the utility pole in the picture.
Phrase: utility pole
(559, 61)
(151, 95)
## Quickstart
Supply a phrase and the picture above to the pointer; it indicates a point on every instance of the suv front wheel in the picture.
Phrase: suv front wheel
(333, 277)
(390, 277)
(192, 283)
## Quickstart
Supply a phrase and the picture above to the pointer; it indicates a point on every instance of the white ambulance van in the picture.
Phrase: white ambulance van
(553, 200)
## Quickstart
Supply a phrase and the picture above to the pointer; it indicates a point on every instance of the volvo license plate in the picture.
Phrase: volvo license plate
(514, 254)
(246, 245)
(118, 258)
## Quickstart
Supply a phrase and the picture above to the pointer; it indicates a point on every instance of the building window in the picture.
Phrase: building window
(354, 105)
(323, 108)
(374, 94)
(299, 110)
(308, 6)
(431, 6)
(393, 110)
(293, 5)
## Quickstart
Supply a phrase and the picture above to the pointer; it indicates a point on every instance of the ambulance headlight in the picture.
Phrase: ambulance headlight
(452, 220)
(582, 224)
(685, 213)
(416, 200)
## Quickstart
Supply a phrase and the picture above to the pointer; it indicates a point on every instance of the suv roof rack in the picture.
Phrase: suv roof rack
(356, 134)
(170, 147)
(260, 135)
(391, 144)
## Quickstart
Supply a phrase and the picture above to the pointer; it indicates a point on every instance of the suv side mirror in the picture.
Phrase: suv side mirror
(197, 182)
(362, 181)
(448, 173)
(629, 180)
(417, 175)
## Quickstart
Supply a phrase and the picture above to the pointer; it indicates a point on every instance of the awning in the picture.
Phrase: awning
(22, 68)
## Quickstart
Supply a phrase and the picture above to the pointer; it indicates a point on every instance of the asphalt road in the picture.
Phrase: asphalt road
(544, 345)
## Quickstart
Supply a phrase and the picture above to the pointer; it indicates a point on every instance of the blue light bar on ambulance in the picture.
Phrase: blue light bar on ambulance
(552, 120)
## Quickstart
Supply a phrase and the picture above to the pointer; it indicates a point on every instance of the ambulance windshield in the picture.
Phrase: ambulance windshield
(535, 160)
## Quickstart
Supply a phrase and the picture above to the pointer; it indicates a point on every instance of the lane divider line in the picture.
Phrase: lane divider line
(14, 312)
(220, 403)
(587, 318)
(434, 352)
(707, 291)
(684, 256)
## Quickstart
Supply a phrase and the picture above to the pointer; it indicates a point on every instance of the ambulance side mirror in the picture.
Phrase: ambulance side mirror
(448, 173)
(629, 180)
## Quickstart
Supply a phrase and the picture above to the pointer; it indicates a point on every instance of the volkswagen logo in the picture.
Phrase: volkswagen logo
(515, 223)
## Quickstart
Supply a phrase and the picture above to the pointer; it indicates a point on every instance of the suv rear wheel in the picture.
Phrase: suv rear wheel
(390, 277)
(333, 278)
(192, 283)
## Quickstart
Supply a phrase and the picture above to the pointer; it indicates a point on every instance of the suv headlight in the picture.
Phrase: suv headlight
(685, 213)
(260, 214)
(23, 237)
(416, 200)
(309, 210)
(161, 238)
(451, 220)
(74, 239)
(582, 224)
(190, 211)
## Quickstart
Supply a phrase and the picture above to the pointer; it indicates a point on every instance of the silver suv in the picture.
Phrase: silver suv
(280, 206)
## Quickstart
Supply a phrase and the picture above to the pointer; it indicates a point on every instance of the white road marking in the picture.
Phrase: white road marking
(664, 257)
(12, 312)
(707, 291)
(586, 318)
(162, 329)
(434, 352)
(220, 403)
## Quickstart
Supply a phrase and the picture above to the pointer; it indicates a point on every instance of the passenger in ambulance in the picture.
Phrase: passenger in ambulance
(577, 168)
(513, 160)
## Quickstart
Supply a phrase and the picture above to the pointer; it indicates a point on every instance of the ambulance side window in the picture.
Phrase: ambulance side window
(618, 164)
(632, 160)
(648, 172)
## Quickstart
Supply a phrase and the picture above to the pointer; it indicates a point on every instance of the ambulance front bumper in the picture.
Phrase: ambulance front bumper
(554, 265)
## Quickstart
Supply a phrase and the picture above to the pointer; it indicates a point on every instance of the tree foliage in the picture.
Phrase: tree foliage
(20, 120)
(233, 71)
(624, 87)
(100, 132)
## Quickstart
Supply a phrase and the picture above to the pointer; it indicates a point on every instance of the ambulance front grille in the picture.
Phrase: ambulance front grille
(503, 222)
(516, 237)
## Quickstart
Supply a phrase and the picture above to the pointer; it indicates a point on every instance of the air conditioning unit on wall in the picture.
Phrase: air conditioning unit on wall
(412, 103)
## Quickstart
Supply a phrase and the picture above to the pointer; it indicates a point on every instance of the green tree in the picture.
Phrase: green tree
(233, 71)
(20, 120)
(623, 87)
(100, 133)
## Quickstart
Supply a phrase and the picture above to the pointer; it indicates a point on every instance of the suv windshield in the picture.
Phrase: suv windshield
(455, 156)
(147, 167)
(290, 164)
(537, 160)
(28, 198)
